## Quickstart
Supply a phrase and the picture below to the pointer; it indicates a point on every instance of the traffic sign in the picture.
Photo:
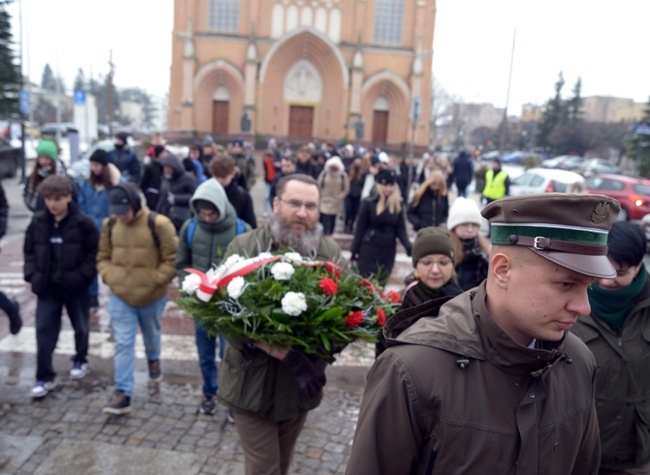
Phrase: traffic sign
(23, 100)
(79, 98)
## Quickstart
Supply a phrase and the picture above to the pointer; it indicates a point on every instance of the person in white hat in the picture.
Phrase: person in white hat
(470, 246)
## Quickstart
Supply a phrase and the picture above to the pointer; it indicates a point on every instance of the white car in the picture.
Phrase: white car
(547, 180)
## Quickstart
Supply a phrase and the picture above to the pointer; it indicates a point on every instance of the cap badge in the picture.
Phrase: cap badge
(600, 213)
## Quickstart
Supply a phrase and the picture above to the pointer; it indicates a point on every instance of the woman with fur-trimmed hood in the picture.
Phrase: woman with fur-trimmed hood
(334, 187)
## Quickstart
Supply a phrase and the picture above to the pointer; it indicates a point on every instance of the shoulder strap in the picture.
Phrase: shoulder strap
(111, 223)
(189, 235)
(241, 227)
(151, 221)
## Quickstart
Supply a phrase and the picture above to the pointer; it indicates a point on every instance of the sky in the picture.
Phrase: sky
(603, 43)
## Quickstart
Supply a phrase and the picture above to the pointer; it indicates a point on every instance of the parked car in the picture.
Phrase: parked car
(520, 157)
(572, 162)
(50, 128)
(632, 193)
(555, 162)
(595, 166)
(10, 156)
(546, 180)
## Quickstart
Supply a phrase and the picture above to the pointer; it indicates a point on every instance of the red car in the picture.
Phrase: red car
(632, 193)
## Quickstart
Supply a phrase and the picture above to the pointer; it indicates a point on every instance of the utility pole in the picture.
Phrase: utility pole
(23, 174)
(504, 124)
(111, 93)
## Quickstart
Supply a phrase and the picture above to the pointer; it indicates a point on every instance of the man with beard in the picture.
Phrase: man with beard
(270, 390)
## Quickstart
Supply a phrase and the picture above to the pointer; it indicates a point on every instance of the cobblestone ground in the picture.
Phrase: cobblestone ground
(165, 418)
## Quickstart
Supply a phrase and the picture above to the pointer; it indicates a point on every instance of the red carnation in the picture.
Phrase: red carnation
(332, 269)
(393, 297)
(381, 317)
(354, 319)
(328, 286)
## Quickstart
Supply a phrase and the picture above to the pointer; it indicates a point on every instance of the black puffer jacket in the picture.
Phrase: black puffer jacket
(4, 211)
(374, 245)
(182, 186)
(80, 238)
(151, 184)
(432, 210)
(242, 202)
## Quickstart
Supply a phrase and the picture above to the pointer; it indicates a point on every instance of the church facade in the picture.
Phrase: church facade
(302, 69)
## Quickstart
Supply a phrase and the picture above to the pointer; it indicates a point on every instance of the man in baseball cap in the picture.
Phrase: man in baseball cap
(495, 370)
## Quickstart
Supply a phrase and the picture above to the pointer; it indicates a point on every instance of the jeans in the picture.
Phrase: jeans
(124, 322)
(206, 346)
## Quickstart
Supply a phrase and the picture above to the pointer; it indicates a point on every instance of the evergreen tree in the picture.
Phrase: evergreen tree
(80, 81)
(9, 71)
(638, 145)
(48, 82)
(554, 114)
(575, 103)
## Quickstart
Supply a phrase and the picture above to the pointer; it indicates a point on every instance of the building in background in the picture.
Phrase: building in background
(299, 69)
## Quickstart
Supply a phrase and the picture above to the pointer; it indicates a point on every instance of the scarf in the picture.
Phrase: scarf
(612, 306)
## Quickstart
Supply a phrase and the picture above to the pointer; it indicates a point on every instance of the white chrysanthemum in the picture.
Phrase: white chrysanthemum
(294, 303)
(282, 271)
(264, 255)
(236, 287)
(232, 260)
(293, 256)
(191, 284)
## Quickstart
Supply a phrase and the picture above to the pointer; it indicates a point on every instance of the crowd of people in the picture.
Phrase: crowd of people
(486, 362)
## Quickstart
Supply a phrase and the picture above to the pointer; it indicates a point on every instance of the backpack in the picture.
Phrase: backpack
(151, 221)
(191, 228)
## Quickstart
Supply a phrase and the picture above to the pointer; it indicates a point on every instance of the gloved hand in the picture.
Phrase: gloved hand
(170, 198)
(310, 377)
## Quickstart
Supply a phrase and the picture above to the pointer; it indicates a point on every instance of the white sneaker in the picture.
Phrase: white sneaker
(78, 370)
(42, 388)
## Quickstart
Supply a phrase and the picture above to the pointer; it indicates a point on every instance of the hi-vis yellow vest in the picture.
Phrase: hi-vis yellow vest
(495, 186)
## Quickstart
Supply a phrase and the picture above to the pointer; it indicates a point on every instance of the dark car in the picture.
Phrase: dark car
(632, 193)
(9, 158)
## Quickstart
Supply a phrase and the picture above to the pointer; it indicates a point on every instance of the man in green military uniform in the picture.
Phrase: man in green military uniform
(496, 383)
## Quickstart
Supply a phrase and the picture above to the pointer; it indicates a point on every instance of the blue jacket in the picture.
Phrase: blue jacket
(92, 202)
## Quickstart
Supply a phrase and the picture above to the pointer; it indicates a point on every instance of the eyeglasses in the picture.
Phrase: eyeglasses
(444, 262)
(295, 205)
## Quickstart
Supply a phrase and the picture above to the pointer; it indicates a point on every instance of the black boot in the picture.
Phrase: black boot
(15, 322)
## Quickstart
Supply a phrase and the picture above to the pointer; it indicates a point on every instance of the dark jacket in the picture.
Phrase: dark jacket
(474, 267)
(431, 210)
(242, 202)
(455, 395)
(374, 245)
(310, 168)
(208, 244)
(151, 183)
(622, 383)
(182, 186)
(4, 211)
(250, 379)
(78, 251)
(463, 170)
(126, 162)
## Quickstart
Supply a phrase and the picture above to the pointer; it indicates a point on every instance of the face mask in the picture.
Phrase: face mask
(119, 146)
(44, 171)
(167, 177)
